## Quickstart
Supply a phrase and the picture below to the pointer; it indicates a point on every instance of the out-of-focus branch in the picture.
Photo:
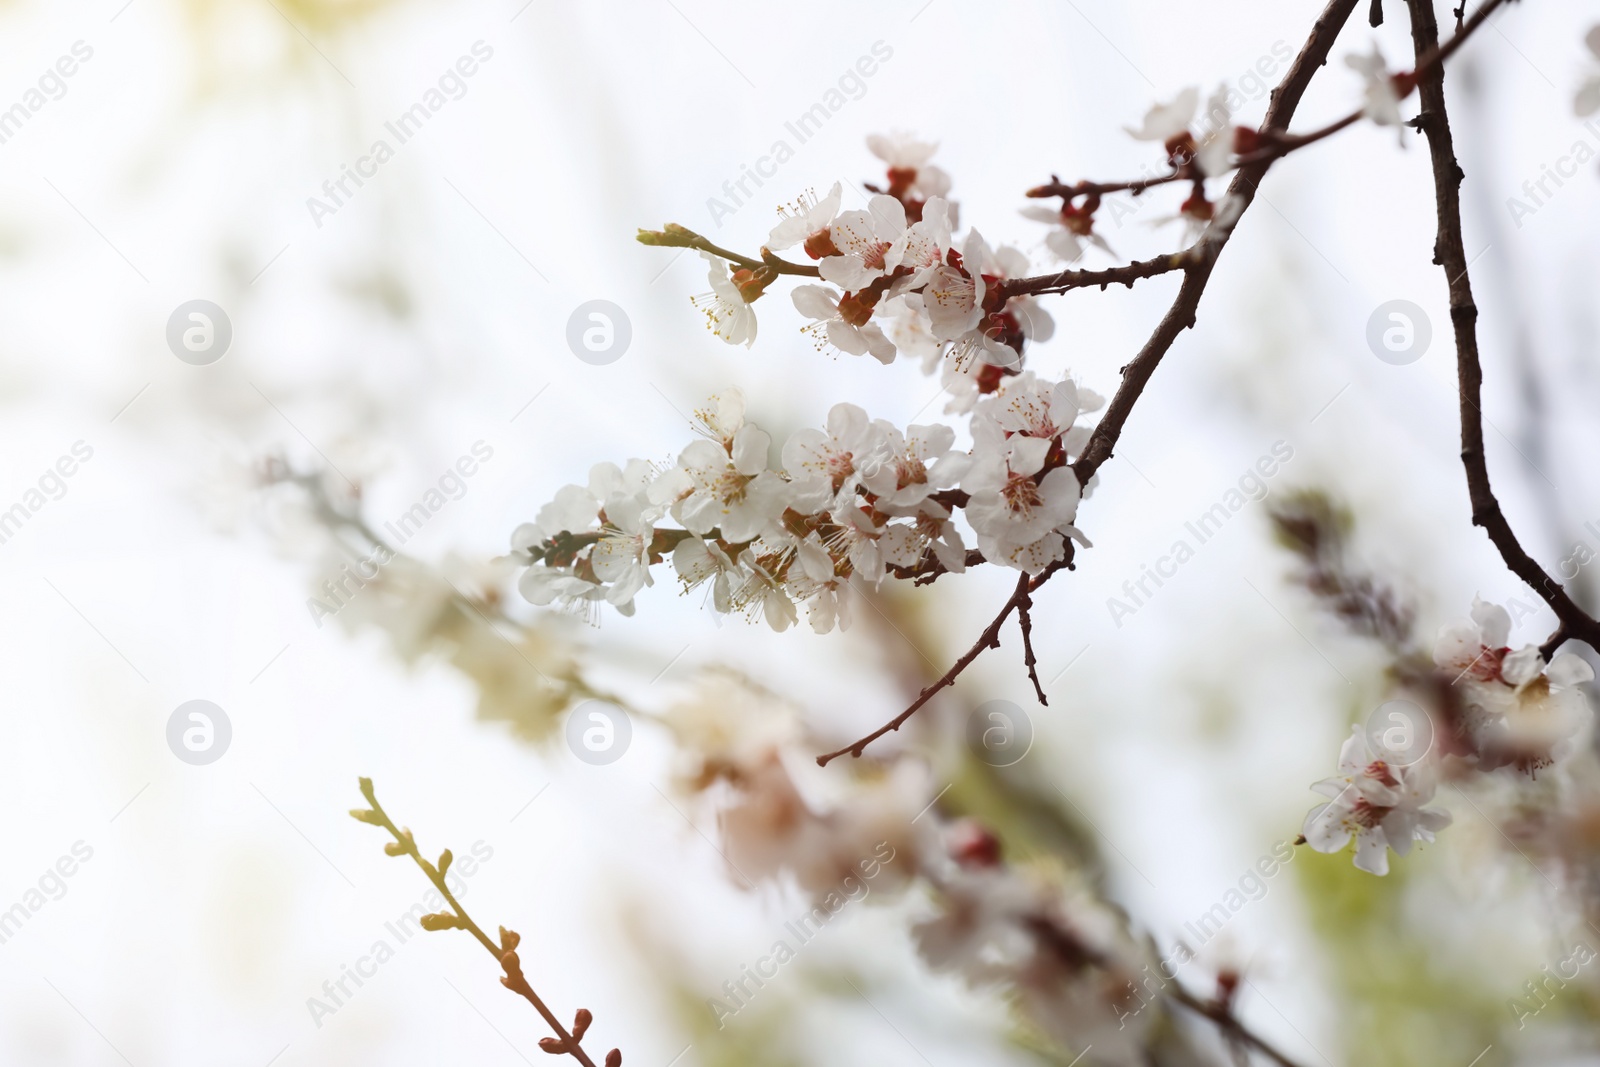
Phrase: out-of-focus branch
(404, 844)
(1222, 1015)
(1450, 253)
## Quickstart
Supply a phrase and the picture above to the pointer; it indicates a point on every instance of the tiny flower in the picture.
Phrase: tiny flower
(842, 322)
(1026, 405)
(822, 464)
(1073, 227)
(1165, 122)
(904, 544)
(954, 295)
(724, 483)
(698, 561)
(861, 239)
(1380, 805)
(912, 180)
(808, 223)
(922, 246)
(913, 464)
(727, 307)
(621, 558)
(1018, 515)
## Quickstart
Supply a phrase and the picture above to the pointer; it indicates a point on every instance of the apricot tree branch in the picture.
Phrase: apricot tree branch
(1181, 316)
(1450, 253)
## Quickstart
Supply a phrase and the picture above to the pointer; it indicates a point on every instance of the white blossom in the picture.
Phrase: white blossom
(728, 314)
(811, 217)
(1382, 806)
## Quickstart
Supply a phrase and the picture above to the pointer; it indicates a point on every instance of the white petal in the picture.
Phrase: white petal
(816, 301)
(1568, 670)
(1372, 852)
(1494, 621)
(1522, 666)
(750, 447)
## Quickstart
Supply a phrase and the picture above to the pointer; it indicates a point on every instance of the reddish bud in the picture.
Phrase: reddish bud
(853, 310)
(974, 845)
(554, 1046)
(580, 1023)
(614, 1058)
(821, 244)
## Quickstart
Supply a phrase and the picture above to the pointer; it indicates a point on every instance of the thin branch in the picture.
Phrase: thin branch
(1230, 1025)
(1067, 280)
(404, 844)
(990, 638)
(1025, 624)
(674, 236)
(1450, 253)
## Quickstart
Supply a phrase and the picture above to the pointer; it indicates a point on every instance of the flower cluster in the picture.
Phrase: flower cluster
(1037, 934)
(896, 278)
(1512, 710)
(857, 501)
(1069, 960)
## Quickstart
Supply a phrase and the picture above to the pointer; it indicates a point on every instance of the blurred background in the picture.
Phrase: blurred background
(421, 315)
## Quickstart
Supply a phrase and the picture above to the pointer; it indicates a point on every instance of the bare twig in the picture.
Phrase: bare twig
(1450, 253)
(1025, 624)
(990, 638)
(1229, 1023)
(404, 844)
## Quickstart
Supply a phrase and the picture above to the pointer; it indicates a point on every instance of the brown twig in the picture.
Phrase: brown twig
(1067, 280)
(1450, 253)
(1229, 1023)
(1025, 624)
(990, 638)
(674, 236)
(404, 844)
